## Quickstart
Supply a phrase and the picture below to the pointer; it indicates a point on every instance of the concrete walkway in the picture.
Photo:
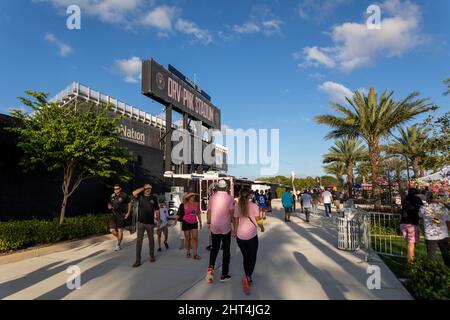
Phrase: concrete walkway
(295, 261)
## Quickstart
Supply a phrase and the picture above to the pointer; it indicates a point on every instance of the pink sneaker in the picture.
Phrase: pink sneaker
(210, 275)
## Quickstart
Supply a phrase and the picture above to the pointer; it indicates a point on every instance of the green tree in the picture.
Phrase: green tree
(439, 141)
(338, 170)
(372, 118)
(81, 141)
(349, 152)
(413, 143)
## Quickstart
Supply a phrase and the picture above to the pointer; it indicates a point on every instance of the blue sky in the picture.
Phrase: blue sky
(266, 64)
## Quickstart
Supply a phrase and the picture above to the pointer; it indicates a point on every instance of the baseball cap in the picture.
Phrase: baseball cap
(222, 184)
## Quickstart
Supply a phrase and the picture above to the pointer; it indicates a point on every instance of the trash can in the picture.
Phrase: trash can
(348, 234)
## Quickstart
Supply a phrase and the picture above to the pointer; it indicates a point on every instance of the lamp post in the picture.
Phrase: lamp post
(407, 171)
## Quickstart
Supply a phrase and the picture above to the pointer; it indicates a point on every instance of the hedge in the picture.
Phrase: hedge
(16, 235)
(428, 280)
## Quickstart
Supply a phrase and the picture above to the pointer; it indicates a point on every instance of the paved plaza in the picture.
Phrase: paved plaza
(296, 260)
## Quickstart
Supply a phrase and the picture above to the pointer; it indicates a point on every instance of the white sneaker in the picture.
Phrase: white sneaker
(117, 248)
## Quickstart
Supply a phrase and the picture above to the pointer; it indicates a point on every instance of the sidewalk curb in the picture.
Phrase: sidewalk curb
(41, 250)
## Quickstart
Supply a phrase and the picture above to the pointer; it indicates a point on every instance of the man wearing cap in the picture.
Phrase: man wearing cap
(148, 213)
(220, 217)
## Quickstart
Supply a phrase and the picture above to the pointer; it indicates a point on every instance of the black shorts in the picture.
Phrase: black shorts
(116, 222)
(186, 226)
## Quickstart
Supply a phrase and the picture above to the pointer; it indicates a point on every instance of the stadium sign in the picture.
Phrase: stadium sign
(165, 87)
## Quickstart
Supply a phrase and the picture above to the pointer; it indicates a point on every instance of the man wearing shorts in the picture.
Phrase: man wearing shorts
(120, 204)
(409, 223)
(262, 204)
(286, 200)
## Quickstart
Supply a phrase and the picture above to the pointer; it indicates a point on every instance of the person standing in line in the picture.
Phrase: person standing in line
(220, 216)
(148, 214)
(327, 198)
(307, 204)
(190, 224)
(246, 221)
(409, 222)
(120, 205)
(436, 219)
(286, 201)
(262, 204)
(163, 225)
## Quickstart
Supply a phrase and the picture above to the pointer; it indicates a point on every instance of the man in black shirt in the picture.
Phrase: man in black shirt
(120, 204)
(148, 213)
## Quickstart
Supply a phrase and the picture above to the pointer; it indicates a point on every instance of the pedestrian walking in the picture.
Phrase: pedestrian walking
(262, 204)
(286, 201)
(190, 225)
(246, 221)
(163, 225)
(220, 217)
(148, 216)
(316, 200)
(327, 198)
(409, 222)
(307, 204)
(120, 205)
(269, 199)
(435, 220)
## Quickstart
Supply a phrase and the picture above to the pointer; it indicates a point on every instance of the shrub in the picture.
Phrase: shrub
(16, 235)
(428, 280)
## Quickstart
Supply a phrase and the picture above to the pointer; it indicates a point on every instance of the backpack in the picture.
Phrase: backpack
(181, 212)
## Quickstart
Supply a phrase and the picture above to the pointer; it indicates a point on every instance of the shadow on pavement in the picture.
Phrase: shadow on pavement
(16, 285)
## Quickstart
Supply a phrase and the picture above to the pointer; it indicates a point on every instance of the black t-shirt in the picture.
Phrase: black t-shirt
(147, 207)
(119, 203)
(410, 210)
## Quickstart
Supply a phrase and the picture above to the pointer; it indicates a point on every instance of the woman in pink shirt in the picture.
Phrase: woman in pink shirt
(191, 219)
(246, 233)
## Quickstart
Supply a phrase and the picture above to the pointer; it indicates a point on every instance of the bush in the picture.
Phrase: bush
(16, 235)
(279, 192)
(428, 280)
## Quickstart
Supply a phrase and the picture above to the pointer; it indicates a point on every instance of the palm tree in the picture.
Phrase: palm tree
(363, 170)
(447, 83)
(372, 118)
(348, 152)
(412, 143)
(337, 169)
(398, 165)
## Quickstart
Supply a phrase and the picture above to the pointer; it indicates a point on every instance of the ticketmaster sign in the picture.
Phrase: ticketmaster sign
(166, 88)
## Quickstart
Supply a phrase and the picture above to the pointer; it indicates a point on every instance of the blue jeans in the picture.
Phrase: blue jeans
(327, 209)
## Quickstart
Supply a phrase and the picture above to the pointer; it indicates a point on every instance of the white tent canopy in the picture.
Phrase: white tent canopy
(441, 175)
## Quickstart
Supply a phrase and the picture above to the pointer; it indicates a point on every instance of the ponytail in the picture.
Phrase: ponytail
(243, 201)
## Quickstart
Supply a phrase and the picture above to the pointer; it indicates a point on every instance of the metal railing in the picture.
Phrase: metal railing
(385, 234)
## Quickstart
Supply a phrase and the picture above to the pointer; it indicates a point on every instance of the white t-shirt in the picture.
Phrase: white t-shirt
(326, 195)
(432, 213)
(163, 216)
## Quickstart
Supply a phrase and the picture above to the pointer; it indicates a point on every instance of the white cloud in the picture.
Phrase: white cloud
(356, 46)
(337, 92)
(63, 49)
(315, 56)
(190, 28)
(261, 20)
(161, 17)
(248, 27)
(130, 69)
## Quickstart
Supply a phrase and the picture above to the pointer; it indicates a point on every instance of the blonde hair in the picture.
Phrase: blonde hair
(243, 201)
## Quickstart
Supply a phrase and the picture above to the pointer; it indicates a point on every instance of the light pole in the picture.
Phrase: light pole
(407, 171)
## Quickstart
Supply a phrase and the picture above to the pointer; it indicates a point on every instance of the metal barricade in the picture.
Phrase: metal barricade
(354, 230)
